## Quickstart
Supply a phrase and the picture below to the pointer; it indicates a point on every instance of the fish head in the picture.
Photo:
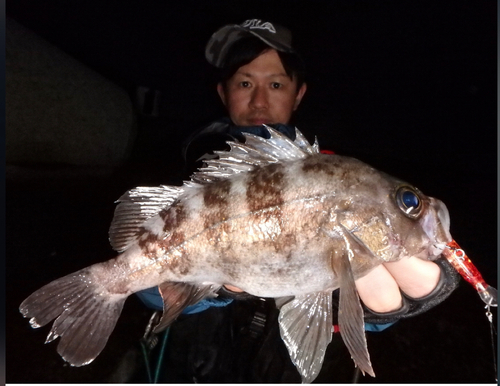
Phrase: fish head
(419, 224)
(398, 221)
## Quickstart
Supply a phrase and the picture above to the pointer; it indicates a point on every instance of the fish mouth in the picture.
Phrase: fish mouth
(436, 224)
(431, 251)
(436, 249)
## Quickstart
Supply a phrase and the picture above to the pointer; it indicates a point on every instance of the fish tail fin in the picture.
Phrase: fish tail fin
(86, 316)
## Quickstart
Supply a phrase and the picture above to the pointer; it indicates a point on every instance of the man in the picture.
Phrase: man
(262, 82)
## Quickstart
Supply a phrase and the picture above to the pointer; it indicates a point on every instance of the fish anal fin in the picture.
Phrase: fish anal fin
(306, 328)
(350, 314)
(177, 296)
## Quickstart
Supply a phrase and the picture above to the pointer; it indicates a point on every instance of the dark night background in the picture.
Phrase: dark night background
(407, 86)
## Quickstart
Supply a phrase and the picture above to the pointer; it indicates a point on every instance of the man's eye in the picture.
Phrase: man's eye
(276, 85)
(245, 84)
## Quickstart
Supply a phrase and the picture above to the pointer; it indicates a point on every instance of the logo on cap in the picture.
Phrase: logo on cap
(257, 24)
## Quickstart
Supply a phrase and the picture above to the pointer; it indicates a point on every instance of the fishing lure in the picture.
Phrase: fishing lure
(461, 262)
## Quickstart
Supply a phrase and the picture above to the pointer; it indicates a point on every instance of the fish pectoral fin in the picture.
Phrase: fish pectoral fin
(350, 314)
(177, 296)
(306, 328)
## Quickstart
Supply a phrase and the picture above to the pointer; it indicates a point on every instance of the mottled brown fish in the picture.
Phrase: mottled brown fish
(273, 217)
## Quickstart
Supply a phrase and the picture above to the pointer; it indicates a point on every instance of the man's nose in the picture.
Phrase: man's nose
(260, 98)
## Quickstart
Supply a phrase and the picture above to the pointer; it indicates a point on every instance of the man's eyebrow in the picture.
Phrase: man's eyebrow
(281, 74)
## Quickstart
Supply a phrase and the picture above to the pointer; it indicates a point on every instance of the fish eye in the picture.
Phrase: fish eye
(409, 201)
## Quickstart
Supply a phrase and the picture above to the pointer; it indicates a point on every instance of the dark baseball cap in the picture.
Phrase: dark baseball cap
(274, 35)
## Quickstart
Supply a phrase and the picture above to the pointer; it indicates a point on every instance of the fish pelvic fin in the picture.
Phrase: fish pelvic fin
(306, 328)
(177, 296)
(84, 317)
(350, 314)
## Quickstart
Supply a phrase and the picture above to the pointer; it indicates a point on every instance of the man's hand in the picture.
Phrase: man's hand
(380, 289)
(232, 288)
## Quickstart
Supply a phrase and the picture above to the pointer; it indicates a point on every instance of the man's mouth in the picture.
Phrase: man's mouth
(260, 121)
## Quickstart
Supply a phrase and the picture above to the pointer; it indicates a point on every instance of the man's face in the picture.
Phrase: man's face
(261, 92)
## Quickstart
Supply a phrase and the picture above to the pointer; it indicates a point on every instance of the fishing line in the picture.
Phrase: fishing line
(146, 359)
(160, 357)
(493, 334)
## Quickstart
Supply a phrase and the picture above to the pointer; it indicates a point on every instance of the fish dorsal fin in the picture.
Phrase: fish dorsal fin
(177, 296)
(255, 151)
(141, 203)
(306, 328)
(135, 207)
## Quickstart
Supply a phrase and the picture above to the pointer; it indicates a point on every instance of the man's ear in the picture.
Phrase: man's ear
(220, 91)
(300, 94)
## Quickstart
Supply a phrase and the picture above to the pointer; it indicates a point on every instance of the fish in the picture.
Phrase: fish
(273, 217)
